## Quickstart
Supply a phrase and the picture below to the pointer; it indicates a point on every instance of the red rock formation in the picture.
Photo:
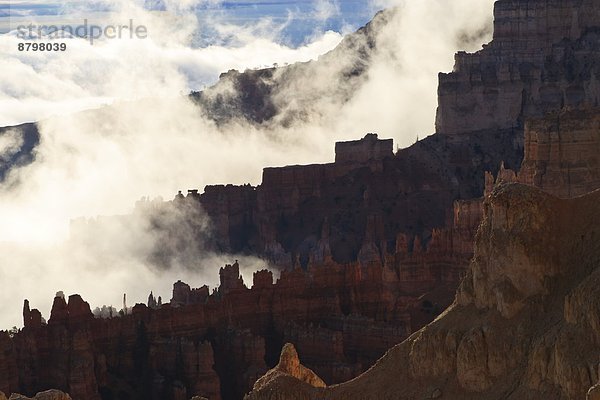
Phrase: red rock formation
(370, 148)
(341, 317)
(355, 207)
(524, 323)
(289, 365)
(562, 153)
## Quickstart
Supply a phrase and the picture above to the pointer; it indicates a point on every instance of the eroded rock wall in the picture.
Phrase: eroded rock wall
(543, 57)
(523, 325)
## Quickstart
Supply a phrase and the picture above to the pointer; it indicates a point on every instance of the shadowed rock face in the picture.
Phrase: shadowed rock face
(524, 323)
(368, 196)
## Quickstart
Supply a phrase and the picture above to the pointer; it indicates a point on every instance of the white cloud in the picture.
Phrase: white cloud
(326, 9)
(152, 141)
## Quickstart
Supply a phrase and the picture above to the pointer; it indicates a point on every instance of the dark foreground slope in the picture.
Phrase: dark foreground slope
(524, 324)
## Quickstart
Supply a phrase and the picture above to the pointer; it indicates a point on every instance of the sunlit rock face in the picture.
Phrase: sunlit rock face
(544, 56)
(524, 323)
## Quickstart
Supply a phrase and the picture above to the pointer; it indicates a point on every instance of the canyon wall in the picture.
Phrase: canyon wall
(368, 190)
(562, 152)
(524, 322)
(341, 318)
(544, 56)
(372, 247)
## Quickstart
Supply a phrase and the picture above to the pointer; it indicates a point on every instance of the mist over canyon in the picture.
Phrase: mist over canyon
(342, 221)
(152, 141)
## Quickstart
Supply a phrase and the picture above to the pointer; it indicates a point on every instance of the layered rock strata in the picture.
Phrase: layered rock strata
(341, 317)
(523, 322)
(544, 56)
(368, 194)
(561, 154)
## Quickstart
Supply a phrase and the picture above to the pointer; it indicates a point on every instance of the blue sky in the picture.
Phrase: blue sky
(296, 21)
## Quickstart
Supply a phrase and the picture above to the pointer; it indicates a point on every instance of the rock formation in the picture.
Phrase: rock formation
(349, 208)
(544, 56)
(289, 365)
(523, 324)
(562, 152)
(45, 395)
(262, 96)
(341, 317)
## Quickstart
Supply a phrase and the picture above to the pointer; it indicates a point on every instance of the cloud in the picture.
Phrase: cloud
(11, 142)
(153, 141)
(326, 9)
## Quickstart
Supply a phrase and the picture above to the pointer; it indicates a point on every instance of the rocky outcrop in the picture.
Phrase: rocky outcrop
(562, 152)
(544, 56)
(289, 365)
(524, 321)
(26, 137)
(45, 395)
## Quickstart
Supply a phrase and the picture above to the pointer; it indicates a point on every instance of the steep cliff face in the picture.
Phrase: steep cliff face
(544, 56)
(524, 321)
(562, 152)
(366, 198)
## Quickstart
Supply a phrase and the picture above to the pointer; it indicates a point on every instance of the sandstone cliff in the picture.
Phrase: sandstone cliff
(523, 324)
(289, 365)
(562, 152)
(367, 197)
(544, 56)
